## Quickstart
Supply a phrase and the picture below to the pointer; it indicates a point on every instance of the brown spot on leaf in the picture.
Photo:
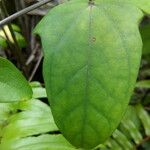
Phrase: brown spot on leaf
(93, 39)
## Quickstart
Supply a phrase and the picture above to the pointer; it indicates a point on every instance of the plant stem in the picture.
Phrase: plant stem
(17, 50)
(22, 12)
(36, 66)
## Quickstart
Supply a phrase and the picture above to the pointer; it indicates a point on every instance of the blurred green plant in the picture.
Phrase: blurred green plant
(6, 36)
(145, 33)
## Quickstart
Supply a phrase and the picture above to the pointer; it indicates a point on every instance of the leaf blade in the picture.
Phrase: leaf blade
(13, 81)
(76, 61)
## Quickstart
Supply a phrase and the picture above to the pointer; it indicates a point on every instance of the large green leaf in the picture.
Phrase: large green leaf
(92, 55)
(13, 86)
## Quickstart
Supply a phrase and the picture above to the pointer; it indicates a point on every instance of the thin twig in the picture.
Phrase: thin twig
(147, 108)
(32, 55)
(8, 40)
(24, 11)
(36, 66)
(143, 141)
(18, 50)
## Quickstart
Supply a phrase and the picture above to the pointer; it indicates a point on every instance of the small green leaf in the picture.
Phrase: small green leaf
(113, 144)
(131, 114)
(16, 28)
(133, 130)
(3, 42)
(13, 86)
(143, 84)
(21, 40)
(122, 140)
(145, 33)
(19, 37)
(38, 90)
(130, 125)
(144, 117)
(35, 84)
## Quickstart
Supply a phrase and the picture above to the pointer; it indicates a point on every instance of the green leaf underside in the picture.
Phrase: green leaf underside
(92, 56)
(13, 86)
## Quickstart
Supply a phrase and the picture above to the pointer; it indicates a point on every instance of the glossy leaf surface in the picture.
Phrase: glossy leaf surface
(13, 85)
(92, 55)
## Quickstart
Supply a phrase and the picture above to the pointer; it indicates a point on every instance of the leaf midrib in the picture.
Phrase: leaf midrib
(86, 99)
